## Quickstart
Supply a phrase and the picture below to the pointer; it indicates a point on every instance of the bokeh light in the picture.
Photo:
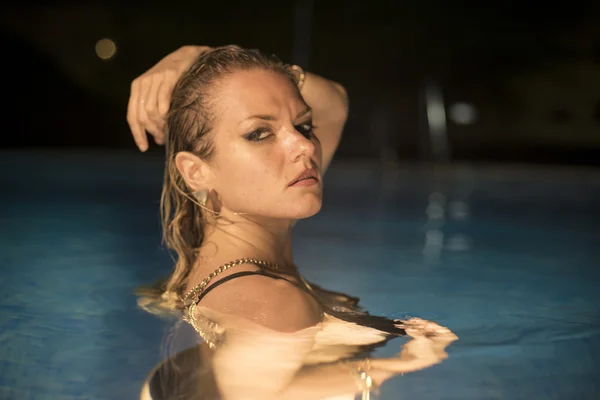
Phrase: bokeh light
(106, 49)
(463, 113)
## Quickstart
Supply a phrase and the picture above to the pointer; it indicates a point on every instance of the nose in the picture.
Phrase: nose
(300, 146)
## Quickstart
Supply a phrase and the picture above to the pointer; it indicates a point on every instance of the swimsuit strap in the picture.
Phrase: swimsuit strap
(199, 288)
(232, 277)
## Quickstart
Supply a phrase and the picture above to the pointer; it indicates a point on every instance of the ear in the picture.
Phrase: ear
(194, 170)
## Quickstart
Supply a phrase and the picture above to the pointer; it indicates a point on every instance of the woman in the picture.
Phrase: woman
(247, 142)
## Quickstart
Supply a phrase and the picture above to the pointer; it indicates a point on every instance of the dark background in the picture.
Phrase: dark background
(531, 69)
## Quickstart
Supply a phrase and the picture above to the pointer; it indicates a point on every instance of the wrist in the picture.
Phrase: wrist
(368, 379)
(299, 75)
(192, 51)
(197, 50)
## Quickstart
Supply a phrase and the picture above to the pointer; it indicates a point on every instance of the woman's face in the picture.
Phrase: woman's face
(263, 141)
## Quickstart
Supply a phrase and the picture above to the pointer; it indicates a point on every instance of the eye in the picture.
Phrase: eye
(258, 135)
(307, 129)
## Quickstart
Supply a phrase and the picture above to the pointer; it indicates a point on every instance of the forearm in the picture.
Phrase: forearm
(310, 383)
(272, 367)
(327, 98)
(343, 378)
(425, 349)
(339, 379)
(329, 102)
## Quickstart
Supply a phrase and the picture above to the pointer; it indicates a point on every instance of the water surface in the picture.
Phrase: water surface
(506, 257)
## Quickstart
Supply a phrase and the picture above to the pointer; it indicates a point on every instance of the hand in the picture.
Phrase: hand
(418, 328)
(429, 341)
(151, 94)
(426, 347)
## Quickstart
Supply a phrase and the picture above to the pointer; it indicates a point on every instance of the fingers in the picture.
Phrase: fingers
(146, 106)
(164, 99)
(151, 95)
(155, 118)
(133, 118)
(164, 93)
(417, 327)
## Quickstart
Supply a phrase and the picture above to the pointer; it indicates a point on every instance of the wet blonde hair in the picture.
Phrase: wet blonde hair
(190, 121)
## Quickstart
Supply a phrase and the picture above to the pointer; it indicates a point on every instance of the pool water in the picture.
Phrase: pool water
(508, 257)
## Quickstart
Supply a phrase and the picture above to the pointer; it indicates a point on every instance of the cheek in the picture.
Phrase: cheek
(258, 167)
(250, 176)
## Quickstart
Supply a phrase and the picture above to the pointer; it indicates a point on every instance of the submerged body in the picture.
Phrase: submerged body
(221, 356)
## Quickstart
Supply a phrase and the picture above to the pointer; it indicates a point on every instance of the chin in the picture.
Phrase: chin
(307, 209)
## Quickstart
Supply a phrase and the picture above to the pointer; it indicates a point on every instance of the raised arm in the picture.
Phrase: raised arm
(151, 94)
(329, 102)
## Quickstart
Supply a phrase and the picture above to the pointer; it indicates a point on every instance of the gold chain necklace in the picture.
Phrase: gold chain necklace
(199, 288)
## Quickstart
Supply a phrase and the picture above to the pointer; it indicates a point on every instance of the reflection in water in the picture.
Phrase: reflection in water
(434, 236)
(240, 359)
(459, 210)
(439, 211)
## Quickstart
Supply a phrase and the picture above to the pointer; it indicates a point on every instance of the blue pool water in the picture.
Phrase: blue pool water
(506, 257)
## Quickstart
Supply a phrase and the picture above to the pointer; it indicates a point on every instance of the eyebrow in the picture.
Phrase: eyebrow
(301, 114)
(306, 111)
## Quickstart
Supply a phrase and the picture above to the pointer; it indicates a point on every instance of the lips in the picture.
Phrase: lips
(308, 173)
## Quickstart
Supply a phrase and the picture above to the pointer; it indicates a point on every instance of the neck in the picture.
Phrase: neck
(244, 237)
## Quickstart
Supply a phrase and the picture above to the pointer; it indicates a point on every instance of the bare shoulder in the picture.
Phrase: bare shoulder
(273, 303)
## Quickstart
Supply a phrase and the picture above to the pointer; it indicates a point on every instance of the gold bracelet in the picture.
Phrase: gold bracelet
(301, 77)
(365, 381)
